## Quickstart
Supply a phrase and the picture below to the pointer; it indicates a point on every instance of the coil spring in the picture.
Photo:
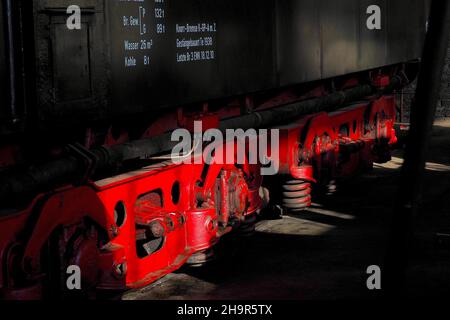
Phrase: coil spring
(296, 195)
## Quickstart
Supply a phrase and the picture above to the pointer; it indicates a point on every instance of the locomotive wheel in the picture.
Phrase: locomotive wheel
(18, 287)
(202, 258)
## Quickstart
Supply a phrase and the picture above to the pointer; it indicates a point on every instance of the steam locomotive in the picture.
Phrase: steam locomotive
(91, 93)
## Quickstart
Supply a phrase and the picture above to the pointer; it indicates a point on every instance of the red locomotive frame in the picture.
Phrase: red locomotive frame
(130, 230)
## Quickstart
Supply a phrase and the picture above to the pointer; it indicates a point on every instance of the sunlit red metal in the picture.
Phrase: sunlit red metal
(140, 226)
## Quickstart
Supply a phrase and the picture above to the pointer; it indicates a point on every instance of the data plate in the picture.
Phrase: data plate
(171, 52)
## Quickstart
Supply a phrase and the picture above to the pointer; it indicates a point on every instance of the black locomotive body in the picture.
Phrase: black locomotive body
(130, 57)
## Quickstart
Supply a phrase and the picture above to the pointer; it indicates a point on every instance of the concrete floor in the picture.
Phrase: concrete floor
(324, 252)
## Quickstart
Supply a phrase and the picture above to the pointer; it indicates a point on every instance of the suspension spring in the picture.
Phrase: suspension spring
(296, 195)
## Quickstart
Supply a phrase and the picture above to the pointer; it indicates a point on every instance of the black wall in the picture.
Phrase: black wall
(3, 69)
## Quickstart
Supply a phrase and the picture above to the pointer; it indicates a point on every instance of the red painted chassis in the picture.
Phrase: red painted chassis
(184, 208)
